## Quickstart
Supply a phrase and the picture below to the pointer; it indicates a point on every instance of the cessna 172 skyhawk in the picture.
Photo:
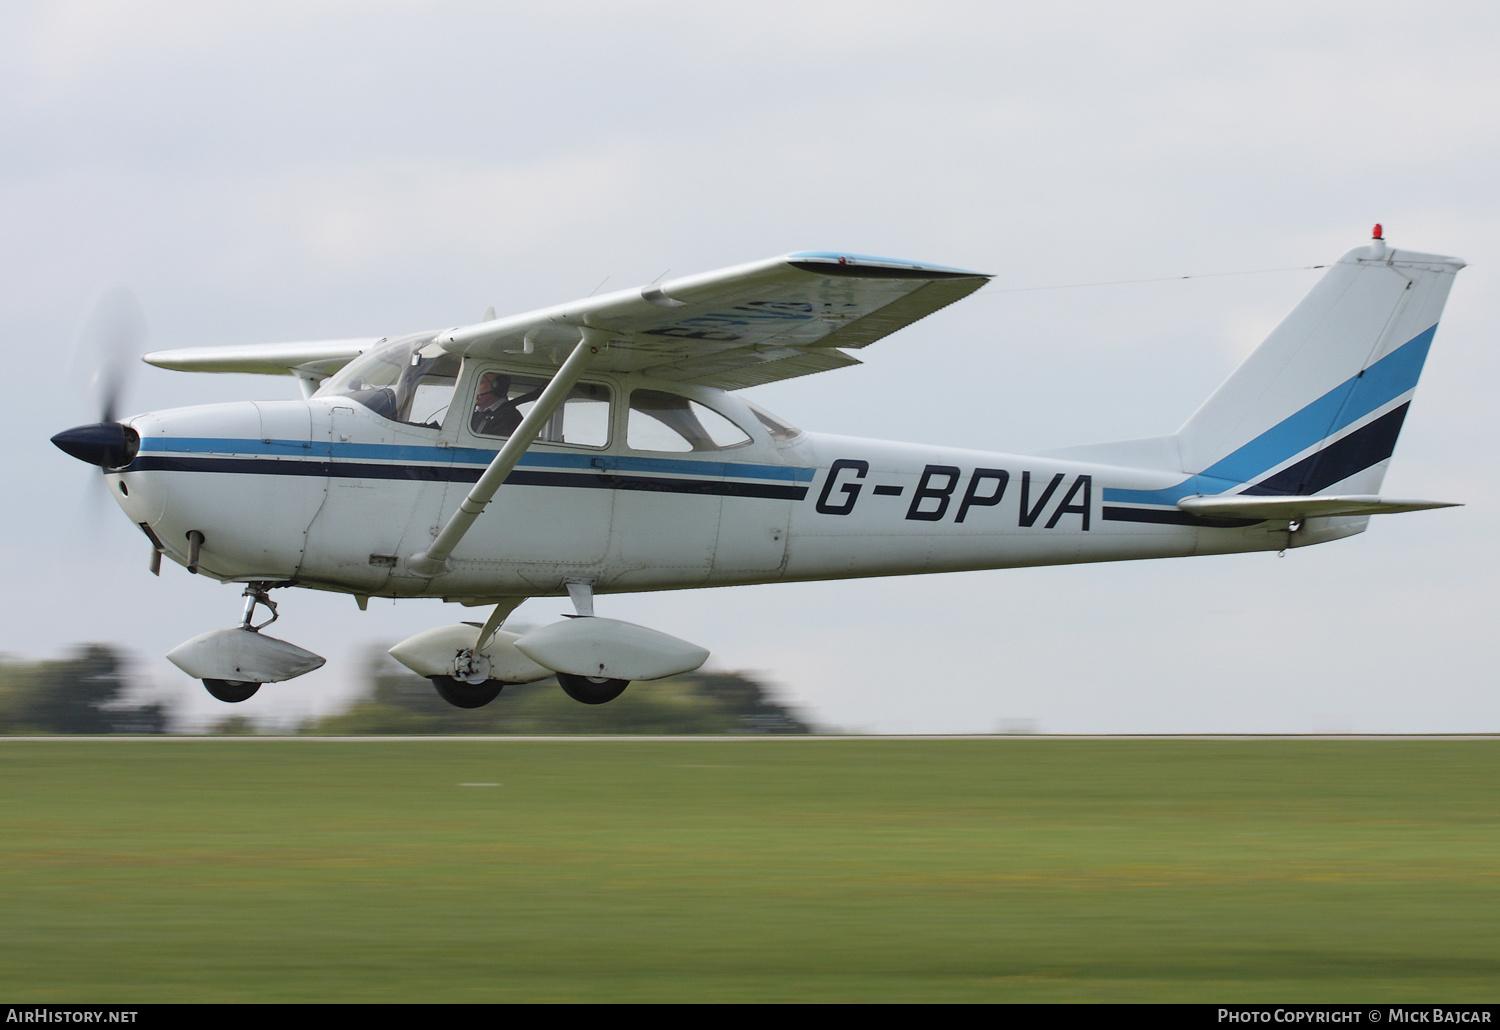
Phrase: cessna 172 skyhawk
(598, 447)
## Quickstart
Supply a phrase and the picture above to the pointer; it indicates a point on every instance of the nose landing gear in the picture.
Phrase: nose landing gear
(233, 663)
(258, 593)
(235, 691)
(230, 690)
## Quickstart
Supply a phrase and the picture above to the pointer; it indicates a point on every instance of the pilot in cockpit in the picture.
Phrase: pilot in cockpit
(492, 415)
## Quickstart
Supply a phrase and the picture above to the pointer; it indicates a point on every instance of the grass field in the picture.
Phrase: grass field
(764, 870)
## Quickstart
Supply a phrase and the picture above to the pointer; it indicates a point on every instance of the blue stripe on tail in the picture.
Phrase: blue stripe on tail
(1347, 403)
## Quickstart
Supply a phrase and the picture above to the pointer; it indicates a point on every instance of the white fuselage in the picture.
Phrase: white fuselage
(327, 494)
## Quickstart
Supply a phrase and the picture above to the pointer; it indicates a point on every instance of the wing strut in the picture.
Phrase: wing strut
(434, 560)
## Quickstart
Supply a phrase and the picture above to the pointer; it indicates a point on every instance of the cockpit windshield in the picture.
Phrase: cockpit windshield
(409, 380)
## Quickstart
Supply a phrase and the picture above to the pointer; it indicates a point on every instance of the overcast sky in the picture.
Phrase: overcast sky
(275, 171)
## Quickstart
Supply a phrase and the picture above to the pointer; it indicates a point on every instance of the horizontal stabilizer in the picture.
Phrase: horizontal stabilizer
(1241, 506)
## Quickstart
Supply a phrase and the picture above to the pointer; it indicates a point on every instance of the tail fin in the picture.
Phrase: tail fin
(1318, 406)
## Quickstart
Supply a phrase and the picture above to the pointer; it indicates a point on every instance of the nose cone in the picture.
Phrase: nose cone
(109, 445)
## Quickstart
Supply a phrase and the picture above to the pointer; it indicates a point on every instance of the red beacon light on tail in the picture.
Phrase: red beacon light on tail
(1377, 233)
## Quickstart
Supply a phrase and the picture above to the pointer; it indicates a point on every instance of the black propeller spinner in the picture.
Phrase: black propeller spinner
(107, 349)
(109, 445)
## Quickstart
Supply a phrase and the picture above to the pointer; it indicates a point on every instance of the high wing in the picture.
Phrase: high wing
(316, 359)
(742, 326)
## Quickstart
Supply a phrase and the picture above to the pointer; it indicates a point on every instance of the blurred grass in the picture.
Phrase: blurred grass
(766, 870)
(697, 703)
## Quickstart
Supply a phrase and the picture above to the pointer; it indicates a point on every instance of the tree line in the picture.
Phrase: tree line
(93, 691)
(86, 692)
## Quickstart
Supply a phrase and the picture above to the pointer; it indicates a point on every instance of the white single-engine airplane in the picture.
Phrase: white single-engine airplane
(597, 447)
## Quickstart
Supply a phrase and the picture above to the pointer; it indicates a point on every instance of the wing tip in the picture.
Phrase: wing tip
(838, 262)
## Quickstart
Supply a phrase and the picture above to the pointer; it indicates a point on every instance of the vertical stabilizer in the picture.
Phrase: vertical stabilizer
(1318, 406)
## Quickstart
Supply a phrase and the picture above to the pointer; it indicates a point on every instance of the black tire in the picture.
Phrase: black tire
(232, 691)
(591, 690)
(466, 695)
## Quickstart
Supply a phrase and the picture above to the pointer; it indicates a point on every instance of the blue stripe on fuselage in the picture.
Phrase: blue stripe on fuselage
(1347, 403)
(470, 456)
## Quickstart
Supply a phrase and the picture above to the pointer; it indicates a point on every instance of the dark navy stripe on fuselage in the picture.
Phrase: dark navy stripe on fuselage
(411, 454)
(603, 480)
(1171, 517)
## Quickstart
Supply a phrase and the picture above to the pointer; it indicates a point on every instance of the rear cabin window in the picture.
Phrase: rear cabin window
(503, 400)
(668, 422)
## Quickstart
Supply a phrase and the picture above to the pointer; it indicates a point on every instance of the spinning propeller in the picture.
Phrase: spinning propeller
(111, 341)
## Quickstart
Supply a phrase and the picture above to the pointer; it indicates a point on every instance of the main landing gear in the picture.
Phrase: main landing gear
(469, 670)
(466, 695)
(470, 684)
(591, 690)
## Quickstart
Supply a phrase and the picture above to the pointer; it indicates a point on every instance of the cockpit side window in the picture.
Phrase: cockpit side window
(503, 400)
(661, 421)
(432, 393)
(408, 380)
